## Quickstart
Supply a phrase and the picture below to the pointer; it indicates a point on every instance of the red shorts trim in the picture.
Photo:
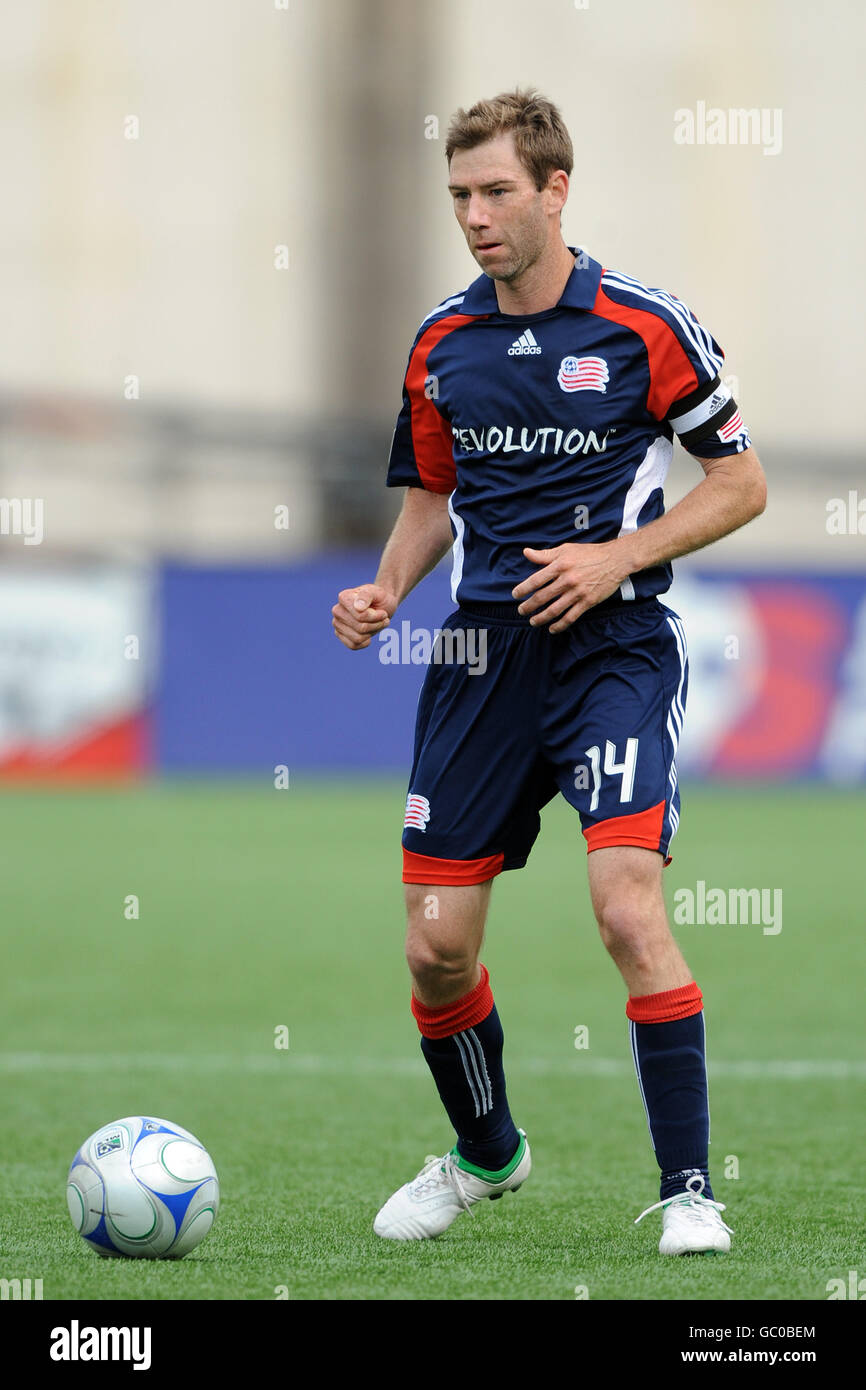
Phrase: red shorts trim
(643, 828)
(422, 868)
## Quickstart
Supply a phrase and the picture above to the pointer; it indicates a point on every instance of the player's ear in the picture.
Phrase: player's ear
(556, 191)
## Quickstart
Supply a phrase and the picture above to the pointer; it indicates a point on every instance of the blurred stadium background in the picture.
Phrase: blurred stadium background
(222, 225)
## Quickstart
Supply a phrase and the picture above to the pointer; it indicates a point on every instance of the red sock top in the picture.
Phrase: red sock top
(665, 1007)
(455, 1018)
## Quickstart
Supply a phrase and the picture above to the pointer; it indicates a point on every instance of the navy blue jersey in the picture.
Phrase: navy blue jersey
(557, 426)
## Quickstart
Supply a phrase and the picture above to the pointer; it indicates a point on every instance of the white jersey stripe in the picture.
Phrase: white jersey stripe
(693, 323)
(457, 549)
(670, 301)
(695, 332)
(650, 474)
(446, 304)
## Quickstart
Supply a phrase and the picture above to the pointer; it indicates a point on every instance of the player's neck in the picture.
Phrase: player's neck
(540, 287)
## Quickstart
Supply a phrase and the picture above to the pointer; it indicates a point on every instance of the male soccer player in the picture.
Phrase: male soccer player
(539, 408)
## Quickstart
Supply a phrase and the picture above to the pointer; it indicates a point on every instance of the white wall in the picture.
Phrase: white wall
(766, 249)
(155, 256)
(306, 126)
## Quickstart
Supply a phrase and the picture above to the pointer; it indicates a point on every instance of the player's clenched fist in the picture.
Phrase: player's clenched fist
(360, 613)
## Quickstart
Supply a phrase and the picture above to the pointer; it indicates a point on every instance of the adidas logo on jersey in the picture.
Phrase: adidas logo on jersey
(524, 346)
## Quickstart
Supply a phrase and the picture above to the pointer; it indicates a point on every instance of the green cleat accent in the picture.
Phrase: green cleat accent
(488, 1174)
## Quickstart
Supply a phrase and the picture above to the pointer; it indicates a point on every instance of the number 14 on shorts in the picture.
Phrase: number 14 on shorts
(624, 770)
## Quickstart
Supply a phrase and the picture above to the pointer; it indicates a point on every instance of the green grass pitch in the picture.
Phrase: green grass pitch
(263, 909)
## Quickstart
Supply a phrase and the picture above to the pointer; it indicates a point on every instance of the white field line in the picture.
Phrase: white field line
(313, 1064)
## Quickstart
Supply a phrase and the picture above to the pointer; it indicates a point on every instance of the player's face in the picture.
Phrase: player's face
(505, 219)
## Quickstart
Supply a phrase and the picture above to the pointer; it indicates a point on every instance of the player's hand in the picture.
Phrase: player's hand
(360, 613)
(572, 579)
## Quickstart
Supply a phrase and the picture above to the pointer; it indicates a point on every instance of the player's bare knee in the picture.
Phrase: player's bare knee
(439, 969)
(633, 953)
(631, 930)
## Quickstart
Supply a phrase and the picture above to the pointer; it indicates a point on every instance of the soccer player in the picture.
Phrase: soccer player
(539, 408)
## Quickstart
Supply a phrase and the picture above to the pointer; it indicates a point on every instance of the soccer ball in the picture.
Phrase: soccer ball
(142, 1187)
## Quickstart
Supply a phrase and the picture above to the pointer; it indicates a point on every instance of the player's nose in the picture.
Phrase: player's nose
(477, 216)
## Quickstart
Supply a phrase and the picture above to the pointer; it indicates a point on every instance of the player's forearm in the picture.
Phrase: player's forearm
(721, 503)
(420, 538)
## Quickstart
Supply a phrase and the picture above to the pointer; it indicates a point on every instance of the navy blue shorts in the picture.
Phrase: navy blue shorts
(510, 714)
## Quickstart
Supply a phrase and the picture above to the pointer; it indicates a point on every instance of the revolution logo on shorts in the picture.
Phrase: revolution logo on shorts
(417, 812)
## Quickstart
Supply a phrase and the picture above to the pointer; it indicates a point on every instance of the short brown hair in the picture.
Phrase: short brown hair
(541, 140)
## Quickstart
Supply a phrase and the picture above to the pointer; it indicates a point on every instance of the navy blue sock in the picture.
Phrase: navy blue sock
(469, 1075)
(670, 1061)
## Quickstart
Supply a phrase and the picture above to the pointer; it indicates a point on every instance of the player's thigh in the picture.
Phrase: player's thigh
(445, 924)
(613, 742)
(625, 885)
(477, 782)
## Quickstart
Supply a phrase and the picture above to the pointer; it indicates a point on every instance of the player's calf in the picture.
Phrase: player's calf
(666, 1033)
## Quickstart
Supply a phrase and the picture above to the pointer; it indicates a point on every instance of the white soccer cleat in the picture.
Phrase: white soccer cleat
(692, 1224)
(442, 1190)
